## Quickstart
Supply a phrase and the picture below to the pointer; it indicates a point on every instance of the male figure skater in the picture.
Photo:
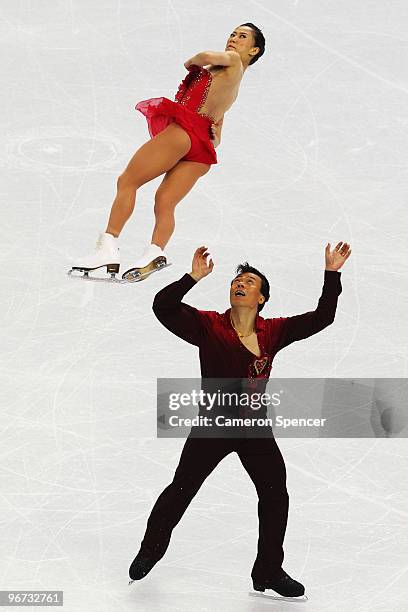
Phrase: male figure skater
(238, 343)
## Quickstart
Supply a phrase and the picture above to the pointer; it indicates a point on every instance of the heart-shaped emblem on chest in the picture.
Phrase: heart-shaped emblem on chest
(259, 364)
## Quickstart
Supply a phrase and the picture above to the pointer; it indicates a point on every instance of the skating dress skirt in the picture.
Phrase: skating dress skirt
(190, 98)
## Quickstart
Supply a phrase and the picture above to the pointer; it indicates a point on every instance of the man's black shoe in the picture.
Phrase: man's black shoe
(282, 584)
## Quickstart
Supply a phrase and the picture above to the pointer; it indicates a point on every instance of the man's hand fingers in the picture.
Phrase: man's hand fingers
(200, 258)
(199, 251)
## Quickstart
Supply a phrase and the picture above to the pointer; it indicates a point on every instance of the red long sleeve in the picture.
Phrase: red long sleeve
(304, 325)
(181, 319)
(222, 354)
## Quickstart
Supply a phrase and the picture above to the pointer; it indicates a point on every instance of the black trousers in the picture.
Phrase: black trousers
(263, 462)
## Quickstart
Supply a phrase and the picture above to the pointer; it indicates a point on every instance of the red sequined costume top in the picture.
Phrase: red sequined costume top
(185, 110)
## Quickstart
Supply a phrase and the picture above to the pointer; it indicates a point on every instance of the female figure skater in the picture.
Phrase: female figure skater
(184, 134)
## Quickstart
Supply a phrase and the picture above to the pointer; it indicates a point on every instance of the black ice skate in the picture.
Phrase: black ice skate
(149, 555)
(284, 586)
(140, 567)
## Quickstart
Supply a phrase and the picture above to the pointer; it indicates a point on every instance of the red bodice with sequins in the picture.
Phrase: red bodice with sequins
(193, 90)
(185, 110)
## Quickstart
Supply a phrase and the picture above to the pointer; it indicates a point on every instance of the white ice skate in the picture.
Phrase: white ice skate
(106, 255)
(151, 260)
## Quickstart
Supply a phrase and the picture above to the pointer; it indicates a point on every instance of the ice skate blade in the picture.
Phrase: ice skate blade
(134, 275)
(276, 597)
(111, 268)
(85, 276)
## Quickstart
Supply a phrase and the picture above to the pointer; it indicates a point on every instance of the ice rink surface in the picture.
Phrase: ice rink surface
(314, 150)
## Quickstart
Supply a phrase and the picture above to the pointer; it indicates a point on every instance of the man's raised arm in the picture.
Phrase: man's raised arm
(182, 319)
(302, 326)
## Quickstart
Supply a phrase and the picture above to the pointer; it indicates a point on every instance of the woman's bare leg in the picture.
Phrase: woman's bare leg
(155, 157)
(175, 185)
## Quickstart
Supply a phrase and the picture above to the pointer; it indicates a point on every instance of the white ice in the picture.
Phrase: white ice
(314, 151)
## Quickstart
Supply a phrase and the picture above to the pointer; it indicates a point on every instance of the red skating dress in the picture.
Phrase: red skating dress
(185, 110)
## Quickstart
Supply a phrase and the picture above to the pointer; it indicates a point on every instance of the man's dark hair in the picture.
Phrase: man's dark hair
(245, 267)
(259, 41)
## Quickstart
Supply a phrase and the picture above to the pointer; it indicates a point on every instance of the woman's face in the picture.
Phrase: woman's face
(242, 41)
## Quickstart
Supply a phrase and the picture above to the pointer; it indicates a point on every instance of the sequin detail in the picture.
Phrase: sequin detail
(205, 93)
(190, 97)
(259, 368)
(193, 90)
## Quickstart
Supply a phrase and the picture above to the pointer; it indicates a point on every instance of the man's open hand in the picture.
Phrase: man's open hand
(200, 267)
(336, 258)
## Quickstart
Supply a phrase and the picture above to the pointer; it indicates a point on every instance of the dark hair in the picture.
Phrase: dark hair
(245, 267)
(259, 41)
